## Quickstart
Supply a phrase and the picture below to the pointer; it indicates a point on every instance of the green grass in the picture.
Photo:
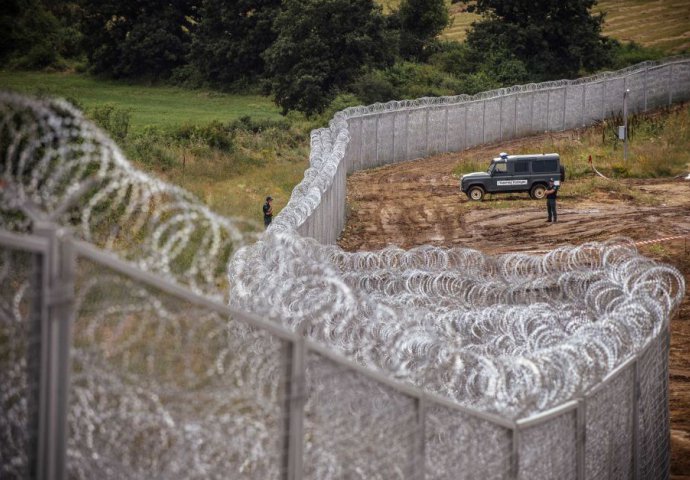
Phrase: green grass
(165, 107)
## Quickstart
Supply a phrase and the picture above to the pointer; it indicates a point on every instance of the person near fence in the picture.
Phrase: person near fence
(268, 211)
(551, 195)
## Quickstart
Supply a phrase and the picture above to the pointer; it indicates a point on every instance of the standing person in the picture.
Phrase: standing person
(268, 211)
(551, 195)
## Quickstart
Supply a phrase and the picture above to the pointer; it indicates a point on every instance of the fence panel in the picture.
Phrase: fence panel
(658, 81)
(524, 114)
(573, 106)
(160, 385)
(386, 138)
(593, 102)
(475, 128)
(492, 120)
(459, 446)
(457, 127)
(416, 134)
(556, 108)
(508, 117)
(355, 427)
(636, 97)
(437, 130)
(20, 335)
(548, 450)
(613, 105)
(681, 82)
(608, 451)
(653, 410)
(368, 139)
(540, 111)
(400, 135)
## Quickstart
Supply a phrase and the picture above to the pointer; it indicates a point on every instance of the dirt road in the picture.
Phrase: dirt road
(418, 203)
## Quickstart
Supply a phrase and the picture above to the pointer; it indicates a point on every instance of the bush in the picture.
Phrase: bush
(626, 54)
(112, 119)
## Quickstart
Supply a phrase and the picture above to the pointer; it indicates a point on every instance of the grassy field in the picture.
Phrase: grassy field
(163, 106)
(661, 24)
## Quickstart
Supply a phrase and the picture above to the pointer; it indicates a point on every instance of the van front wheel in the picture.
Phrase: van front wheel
(475, 193)
(538, 192)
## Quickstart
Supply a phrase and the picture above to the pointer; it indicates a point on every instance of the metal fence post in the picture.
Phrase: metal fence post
(548, 110)
(55, 352)
(646, 70)
(584, 103)
(515, 116)
(581, 437)
(426, 131)
(500, 119)
(670, 85)
(407, 135)
(296, 400)
(420, 439)
(464, 141)
(484, 121)
(515, 453)
(445, 121)
(565, 104)
(636, 419)
(603, 99)
(376, 138)
(394, 156)
(531, 112)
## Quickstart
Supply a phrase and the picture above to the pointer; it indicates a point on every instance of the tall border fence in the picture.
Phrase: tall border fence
(115, 372)
(381, 134)
(619, 429)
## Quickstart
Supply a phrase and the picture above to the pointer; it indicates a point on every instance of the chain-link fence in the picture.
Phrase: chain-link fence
(380, 134)
(109, 371)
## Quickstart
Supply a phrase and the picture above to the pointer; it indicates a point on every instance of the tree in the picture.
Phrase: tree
(231, 38)
(131, 38)
(421, 21)
(552, 38)
(322, 45)
(29, 34)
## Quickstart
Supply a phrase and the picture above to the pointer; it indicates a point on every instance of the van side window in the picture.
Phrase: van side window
(522, 166)
(501, 168)
(544, 166)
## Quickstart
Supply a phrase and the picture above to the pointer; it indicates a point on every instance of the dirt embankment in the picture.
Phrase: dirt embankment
(419, 203)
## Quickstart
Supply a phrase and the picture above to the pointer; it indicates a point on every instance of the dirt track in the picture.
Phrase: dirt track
(418, 203)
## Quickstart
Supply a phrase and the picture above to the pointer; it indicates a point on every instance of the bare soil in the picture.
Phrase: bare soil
(419, 203)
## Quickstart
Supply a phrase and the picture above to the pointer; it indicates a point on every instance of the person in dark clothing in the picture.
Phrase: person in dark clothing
(268, 211)
(551, 195)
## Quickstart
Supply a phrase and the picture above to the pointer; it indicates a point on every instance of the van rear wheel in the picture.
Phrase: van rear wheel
(475, 193)
(538, 192)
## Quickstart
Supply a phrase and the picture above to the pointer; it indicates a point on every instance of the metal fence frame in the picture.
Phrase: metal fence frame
(58, 252)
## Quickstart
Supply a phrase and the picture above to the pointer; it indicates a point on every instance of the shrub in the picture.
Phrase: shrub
(112, 119)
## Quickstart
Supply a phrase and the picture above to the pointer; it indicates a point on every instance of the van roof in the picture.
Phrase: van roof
(533, 156)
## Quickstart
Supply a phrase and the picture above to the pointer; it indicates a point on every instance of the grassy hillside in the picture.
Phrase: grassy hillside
(163, 106)
(662, 24)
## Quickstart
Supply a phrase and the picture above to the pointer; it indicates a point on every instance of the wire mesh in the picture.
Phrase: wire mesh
(167, 389)
(356, 427)
(548, 450)
(609, 431)
(459, 446)
(653, 436)
(19, 361)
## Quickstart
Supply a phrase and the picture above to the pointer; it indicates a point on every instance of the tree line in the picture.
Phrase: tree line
(309, 53)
